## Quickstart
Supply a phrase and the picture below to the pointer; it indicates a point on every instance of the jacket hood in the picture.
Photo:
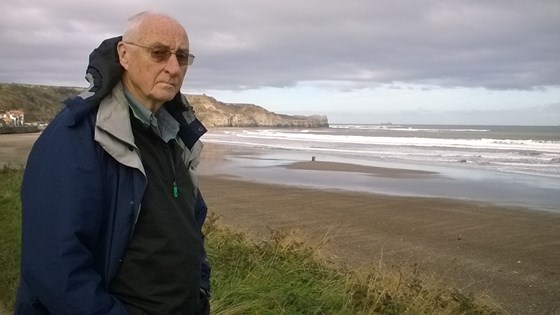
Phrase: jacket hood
(103, 73)
(104, 70)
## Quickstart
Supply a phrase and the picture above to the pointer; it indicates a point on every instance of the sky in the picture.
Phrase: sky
(355, 61)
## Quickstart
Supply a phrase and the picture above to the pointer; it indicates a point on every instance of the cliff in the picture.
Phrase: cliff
(214, 113)
(40, 104)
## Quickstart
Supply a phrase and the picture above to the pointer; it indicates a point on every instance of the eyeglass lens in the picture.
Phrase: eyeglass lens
(161, 54)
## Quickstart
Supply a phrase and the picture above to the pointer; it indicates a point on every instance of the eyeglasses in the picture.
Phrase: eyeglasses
(162, 53)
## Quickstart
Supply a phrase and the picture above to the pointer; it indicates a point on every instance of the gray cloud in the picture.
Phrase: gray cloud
(251, 44)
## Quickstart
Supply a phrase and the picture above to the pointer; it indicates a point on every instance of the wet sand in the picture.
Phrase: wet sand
(354, 168)
(509, 253)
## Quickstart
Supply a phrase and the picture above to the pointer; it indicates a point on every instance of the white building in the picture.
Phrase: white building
(13, 118)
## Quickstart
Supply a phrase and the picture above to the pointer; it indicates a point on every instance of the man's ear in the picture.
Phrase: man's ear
(123, 55)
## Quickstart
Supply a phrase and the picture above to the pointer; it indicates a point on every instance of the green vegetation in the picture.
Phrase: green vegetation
(282, 275)
(10, 234)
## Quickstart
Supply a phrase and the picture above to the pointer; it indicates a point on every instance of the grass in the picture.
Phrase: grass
(282, 275)
(10, 234)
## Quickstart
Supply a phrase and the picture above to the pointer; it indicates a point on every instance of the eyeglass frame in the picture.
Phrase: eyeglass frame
(169, 51)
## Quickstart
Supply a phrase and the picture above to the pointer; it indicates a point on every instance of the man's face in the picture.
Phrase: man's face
(152, 80)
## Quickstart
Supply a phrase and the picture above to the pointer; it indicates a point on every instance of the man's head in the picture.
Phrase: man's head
(154, 53)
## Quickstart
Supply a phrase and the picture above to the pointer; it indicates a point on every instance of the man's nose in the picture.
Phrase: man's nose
(172, 65)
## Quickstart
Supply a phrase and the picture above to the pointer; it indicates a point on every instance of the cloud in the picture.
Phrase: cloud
(249, 44)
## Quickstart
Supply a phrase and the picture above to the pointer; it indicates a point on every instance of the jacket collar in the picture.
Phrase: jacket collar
(113, 130)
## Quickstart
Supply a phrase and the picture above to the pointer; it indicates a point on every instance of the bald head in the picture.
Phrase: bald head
(145, 23)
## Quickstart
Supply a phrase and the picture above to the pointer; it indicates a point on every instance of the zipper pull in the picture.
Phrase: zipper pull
(175, 190)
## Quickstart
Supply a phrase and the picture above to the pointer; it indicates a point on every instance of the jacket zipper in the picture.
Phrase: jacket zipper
(175, 188)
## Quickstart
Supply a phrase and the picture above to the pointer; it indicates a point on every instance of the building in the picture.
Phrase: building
(14, 118)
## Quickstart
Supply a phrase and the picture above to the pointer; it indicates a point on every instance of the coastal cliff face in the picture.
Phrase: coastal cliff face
(41, 103)
(213, 113)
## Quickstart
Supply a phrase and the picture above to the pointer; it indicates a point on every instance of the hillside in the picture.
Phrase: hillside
(41, 103)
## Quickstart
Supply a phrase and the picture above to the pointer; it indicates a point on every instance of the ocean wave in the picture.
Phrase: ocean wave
(543, 157)
(483, 143)
(405, 128)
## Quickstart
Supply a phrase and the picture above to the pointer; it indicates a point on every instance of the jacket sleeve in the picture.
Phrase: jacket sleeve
(201, 211)
(62, 202)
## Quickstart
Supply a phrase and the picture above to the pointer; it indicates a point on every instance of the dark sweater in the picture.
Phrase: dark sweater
(160, 273)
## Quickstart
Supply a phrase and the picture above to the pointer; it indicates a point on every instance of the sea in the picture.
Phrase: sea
(513, 165)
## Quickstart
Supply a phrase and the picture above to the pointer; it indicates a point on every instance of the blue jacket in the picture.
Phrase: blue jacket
(81, 195)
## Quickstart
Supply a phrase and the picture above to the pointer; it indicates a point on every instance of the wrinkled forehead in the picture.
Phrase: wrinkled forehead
(162, 30)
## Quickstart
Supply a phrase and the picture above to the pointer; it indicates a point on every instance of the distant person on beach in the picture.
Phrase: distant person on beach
(112, 213)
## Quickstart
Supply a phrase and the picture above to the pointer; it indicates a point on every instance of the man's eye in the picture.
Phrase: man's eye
(160, 53)
(182, 56)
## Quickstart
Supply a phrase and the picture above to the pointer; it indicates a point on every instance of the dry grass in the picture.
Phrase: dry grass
(301, 280)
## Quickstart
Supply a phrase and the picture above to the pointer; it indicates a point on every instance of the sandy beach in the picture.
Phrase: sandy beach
(509, 253)
(14, 148)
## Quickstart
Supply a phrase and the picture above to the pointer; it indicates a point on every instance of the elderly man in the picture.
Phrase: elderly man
(111, 208)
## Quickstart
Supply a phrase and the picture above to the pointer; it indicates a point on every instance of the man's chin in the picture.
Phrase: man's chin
(166, 95)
